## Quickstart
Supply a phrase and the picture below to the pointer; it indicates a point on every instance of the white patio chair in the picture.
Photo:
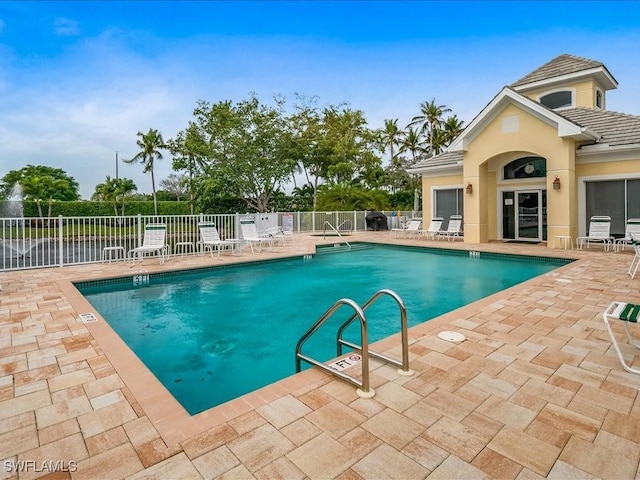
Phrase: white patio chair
(434, 228)
(635, 261)
(454, 229)
(275, 233)
(413, 229)
(210, 239)
(599, 232)
(632, 229)
(154, 241)
(627, 313)
(250, 235)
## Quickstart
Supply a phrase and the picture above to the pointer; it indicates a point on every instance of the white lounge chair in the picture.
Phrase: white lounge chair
(275, 233)
(632, 230)
(398, 231)
(627, 313)
(251, 236)
(454, 229)
(210, 238)
(154, 241)
(635, 261)
(434, 228)
(599, 232)
(413, 229)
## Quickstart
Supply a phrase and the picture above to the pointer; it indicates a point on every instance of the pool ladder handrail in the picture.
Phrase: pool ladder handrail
(402, 364)
(364, 389)
(324, 232)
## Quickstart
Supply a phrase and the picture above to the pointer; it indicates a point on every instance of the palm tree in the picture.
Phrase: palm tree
(106, 192)
(430, 119)
(150, 144)
(114, 188)
(392, 136)
(413, 143)
(452, 127)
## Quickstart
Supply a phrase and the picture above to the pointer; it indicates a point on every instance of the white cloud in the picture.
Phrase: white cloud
(76, 110)
(65, 27)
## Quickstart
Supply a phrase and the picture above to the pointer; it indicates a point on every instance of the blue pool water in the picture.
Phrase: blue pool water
(215, 334)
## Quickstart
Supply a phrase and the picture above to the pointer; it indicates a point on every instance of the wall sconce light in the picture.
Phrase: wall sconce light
(469, 188)
(556, 183)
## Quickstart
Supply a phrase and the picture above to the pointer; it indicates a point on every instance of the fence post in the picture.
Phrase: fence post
(355, 221)
(139, 229)
(60, 241)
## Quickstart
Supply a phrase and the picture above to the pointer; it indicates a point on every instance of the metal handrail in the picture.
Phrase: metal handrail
(349, 222)
(324, 232)
(404, 364)
(359, 313)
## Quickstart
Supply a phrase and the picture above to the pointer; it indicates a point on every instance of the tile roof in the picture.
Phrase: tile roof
(616, 128)
(443, 160)
(561, 65)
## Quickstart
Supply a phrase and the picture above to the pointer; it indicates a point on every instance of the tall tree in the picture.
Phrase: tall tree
(429, 121)
(451, 128)
(246, 147)
(175, 185)
(66, 190)
(413, 143)
(392, 137)
(308, 144)
(151, 145)
(189, 154)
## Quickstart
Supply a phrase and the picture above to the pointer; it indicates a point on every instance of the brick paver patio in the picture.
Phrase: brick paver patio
(535, 391)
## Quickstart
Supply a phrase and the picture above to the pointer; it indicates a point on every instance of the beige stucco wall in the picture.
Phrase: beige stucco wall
(513, 133)
(617, 168)
(585, 93)
(428, 185)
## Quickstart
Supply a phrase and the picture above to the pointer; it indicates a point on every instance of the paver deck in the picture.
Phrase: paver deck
(535, 391)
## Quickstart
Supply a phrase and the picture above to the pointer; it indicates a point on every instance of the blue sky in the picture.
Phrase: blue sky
(79, 79)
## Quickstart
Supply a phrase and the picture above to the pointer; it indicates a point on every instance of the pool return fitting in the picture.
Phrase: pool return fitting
(364, 390)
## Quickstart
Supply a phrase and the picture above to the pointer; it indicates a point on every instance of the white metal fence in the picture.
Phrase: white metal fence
(59, 241)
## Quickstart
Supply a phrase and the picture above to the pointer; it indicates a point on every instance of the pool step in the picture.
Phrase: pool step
(340, 247)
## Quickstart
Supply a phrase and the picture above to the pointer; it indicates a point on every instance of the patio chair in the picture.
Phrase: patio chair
(411, 228)
(632, 229)
(454, 229)
(154, 241)
(434, 228)
(635, 261)
(275, 233)
(210, 239)
(599, 231)
(627, 313)
(250, 235)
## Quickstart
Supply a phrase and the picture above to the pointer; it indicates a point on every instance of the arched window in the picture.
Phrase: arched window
(557, 99)
(525, 167)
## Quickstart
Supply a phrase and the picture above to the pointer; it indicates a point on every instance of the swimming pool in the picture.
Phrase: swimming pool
(214, 334)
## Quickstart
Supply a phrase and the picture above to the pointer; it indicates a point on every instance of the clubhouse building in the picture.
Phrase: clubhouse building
(542, 158)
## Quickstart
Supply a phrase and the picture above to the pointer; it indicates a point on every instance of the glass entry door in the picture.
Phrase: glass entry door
(524, 215)
(531, 215)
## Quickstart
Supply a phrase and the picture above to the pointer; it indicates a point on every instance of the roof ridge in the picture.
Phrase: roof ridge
(557, 66)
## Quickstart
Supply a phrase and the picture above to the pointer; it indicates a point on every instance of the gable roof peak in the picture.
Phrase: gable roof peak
(562, 66)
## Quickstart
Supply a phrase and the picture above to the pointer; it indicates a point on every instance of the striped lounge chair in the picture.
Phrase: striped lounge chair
(627, 313)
